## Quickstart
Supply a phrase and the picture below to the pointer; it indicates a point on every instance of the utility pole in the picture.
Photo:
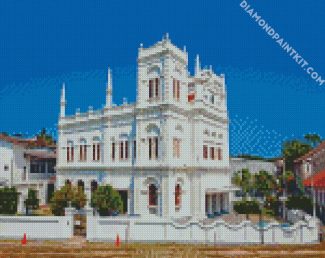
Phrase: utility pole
(283, 198)
(312, 187)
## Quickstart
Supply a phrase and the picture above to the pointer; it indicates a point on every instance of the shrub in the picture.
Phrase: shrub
(300, 203)
(67, 194)
(247, 207)
(32, 203)
(106, 200)
(8, 200)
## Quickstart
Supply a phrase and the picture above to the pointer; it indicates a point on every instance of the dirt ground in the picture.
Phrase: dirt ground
(78, 247)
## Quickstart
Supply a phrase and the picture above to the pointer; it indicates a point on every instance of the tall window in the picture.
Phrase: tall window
(176, 148)
(153, 148)
(153, 195)
(96, 151)
(124, 150)
(153, 88)
(178, 195)
(150, 89)
(93, 186)
(135, 149)
(157, 87)
(205, 152)
(25, 174)
(83, 152)
(70, 153)
(219, 154)
(212, 156)
(121, 150)
(176, 89)
(113, 150)
(81, 185)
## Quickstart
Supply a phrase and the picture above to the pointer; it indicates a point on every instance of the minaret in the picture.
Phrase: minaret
(62, 102)
(197, 66)
(109, 89)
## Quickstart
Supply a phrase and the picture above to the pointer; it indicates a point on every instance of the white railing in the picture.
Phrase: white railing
(137, 229)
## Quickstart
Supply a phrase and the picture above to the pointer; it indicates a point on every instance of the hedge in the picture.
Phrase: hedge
(8, 200)
(247, 207)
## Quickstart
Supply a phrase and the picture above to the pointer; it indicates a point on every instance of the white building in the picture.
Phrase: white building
(254, 166)
(167, 154)
(25, 165)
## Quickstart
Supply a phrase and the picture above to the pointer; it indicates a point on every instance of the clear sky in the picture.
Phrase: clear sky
(270, 98)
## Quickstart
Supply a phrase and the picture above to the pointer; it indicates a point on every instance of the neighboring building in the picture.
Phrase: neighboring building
(253, 165)
(167, 154)
(310, 163)
(317, 182)
(24, 164)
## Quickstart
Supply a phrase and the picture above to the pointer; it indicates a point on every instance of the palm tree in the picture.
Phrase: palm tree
(313, 139)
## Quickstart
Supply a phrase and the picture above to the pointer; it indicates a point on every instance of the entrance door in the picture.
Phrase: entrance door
(50, 191)
(124, 197)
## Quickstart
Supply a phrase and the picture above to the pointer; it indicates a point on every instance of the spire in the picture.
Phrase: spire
(109, 88)
(63, 101)
(197, 65)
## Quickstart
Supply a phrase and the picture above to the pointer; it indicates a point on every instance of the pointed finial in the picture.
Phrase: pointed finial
(167, 35)
(63, 92)
(184, 48)
(141, 45)
(62, 102)
(109, 88)
(109, 78)
(197, 65)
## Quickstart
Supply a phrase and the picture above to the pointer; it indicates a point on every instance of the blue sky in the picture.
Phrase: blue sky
(270, 98)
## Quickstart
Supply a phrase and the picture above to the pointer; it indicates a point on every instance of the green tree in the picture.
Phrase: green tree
(292, 150)
(313, 139)
(8, 200)
(46, 138)
(66, 195)
(31, 203)
(264, 183)
(243, 179)
(106, 200)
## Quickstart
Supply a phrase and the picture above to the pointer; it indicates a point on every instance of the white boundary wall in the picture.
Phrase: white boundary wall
(36, 227)
(218, 232)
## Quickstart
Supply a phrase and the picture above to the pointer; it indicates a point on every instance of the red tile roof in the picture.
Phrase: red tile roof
(36, 142)
(318, 178)
(16, 140)
(319, 148)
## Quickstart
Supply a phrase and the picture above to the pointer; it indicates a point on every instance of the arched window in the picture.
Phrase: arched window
(83, 150)
(93, 186)
(178, 195)
(153, 195)
(81, 185)
(70, 151)
(96, 148)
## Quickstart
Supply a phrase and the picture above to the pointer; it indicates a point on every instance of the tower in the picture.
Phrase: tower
(63, 101)
(109, 89)
(158, 66)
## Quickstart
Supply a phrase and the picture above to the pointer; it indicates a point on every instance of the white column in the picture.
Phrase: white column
(209, 196)
(87, 190)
